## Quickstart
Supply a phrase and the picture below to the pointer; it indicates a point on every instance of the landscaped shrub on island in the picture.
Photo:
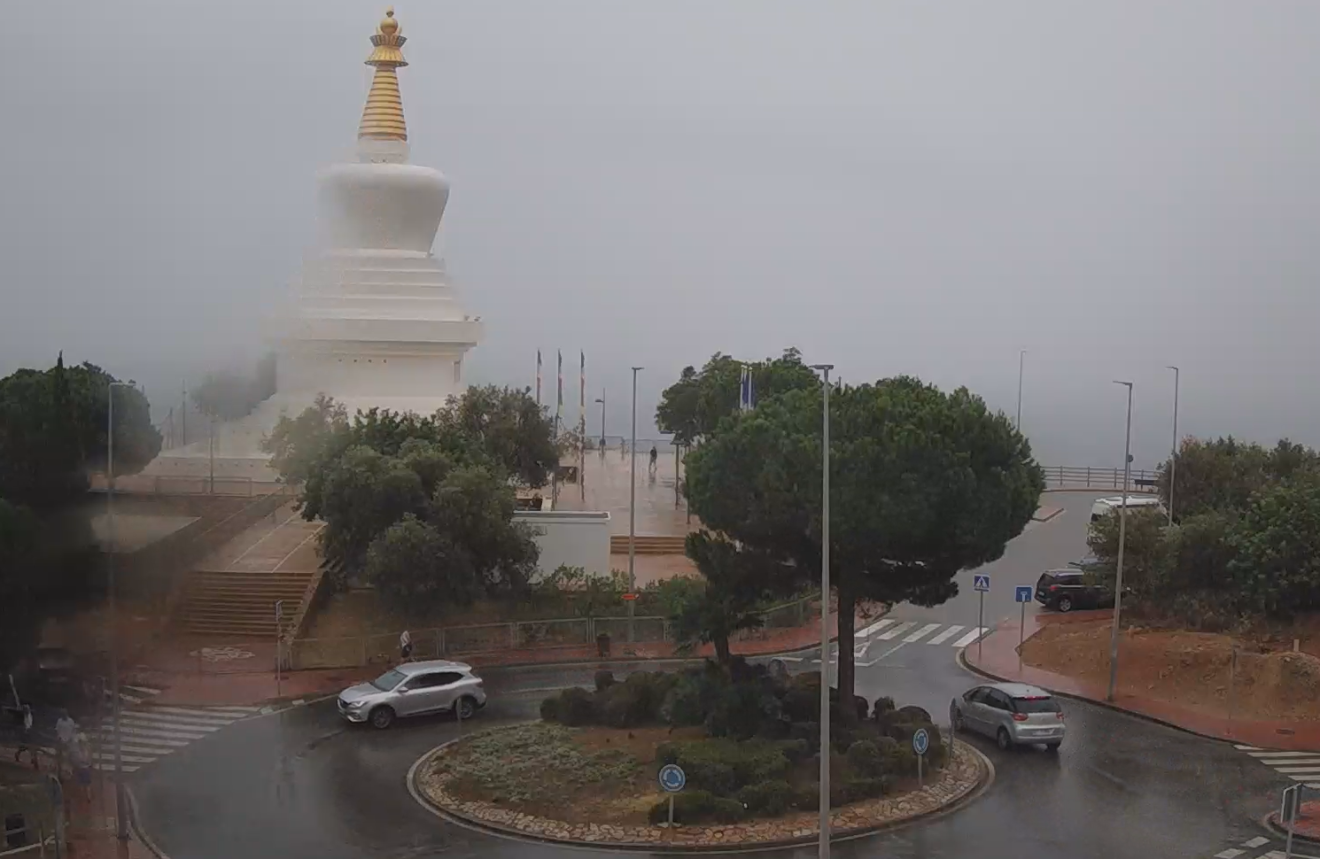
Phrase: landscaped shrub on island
(758, 756)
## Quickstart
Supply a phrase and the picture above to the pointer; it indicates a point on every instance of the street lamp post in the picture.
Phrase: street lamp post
(121, 809)
(1022, 359)
(1122, 540)
(632, 511)
(601, 400)
(1173, 454)
(824, 849)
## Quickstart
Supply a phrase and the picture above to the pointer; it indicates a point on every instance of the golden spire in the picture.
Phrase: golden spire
(382, 118)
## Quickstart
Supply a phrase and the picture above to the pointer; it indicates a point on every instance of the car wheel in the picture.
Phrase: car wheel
(955, 719)
(382, 718)
(1052, 747)
(1003, 740)
(465, 707)
(1064, 604)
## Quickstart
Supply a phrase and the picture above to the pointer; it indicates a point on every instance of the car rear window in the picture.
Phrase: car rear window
(1036, 705)
(1053, 576)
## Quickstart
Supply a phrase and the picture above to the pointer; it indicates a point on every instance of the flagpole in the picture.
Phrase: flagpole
(582, 427)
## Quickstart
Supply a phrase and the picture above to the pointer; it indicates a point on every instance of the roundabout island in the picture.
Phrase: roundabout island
(739, 751)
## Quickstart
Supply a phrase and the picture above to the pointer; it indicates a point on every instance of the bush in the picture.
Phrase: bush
(744, 710)
(899, 759)
(857, 789)
(550, 709)
(722, 766)
(807, 798)
(767, 798)
(864, 759)
(604, 680)
(575, 707)
(911, 714)
(698, 806)
(883, 705)
(801, 701)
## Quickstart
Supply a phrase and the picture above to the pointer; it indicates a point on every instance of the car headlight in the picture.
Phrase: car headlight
(356, 705)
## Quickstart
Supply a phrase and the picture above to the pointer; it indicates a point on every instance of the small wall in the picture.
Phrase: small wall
(574, 538)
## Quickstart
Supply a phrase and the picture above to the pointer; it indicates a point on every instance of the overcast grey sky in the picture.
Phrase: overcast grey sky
(894, 187)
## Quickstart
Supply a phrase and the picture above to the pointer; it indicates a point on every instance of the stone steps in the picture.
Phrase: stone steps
(648, 544)
(240, 604)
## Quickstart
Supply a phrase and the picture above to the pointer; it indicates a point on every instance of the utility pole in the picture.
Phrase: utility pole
(1173, 454)
(121, 808)
(823, 850)
(601, 400)
(1122, 540)
(632, 511)
(1022, 358)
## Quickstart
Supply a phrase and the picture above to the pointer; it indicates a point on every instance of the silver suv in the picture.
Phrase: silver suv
(1011, 713)
(414, 689)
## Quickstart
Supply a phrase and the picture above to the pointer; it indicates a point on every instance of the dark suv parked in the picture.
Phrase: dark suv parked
(1065, 590)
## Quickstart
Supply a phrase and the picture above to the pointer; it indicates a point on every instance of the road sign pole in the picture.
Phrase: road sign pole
(1022, 633)
(1292, 801)
(980, 625)
(671, 811)
(921, 783)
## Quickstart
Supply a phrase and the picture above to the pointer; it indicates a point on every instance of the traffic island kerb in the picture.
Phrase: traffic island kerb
(966, 777)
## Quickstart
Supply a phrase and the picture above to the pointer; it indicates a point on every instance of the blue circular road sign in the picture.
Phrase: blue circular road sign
(672, 778)
(920, 741)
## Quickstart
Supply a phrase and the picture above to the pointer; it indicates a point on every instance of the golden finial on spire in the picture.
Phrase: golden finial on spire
(382, 118)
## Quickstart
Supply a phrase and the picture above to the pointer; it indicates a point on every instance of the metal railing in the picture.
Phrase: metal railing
(468, 640)
(179, 484)
(1088, 477)
(39, 847)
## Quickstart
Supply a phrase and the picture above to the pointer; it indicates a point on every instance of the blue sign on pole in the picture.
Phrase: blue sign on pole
(672, 778)
(1022, 593)
(981, 582)
(920, 741)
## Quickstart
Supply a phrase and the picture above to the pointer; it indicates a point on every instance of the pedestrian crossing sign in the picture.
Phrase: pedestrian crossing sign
(981, 582)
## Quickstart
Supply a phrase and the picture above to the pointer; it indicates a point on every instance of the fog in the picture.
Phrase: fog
(899, 187)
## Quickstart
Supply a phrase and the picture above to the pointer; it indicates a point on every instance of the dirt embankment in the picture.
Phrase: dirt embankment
(1267, 681)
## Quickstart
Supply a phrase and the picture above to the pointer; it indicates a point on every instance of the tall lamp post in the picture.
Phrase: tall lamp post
(632, 510)
(1173, 452)
(121, 808)
(824, 849)
(601, 400)
(1022, 361)
(1122, 540)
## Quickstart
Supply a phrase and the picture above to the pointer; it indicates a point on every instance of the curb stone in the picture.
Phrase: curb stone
(649, 838)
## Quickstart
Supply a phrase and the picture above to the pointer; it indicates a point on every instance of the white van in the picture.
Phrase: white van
(1105, 506)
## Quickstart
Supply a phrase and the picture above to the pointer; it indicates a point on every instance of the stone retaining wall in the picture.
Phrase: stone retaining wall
(967, 770)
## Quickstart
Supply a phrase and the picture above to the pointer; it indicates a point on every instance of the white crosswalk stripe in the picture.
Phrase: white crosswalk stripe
(1298, 766)
(906, 632)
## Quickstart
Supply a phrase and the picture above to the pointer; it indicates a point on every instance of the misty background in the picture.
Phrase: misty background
(897, 187)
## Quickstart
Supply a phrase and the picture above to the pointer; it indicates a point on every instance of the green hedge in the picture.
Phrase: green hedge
(698, 806)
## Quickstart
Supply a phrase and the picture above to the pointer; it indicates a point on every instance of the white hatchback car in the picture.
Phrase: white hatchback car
(1012, 714)
(415, 689)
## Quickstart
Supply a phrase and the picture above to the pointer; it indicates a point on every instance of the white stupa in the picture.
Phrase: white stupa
(374, 320)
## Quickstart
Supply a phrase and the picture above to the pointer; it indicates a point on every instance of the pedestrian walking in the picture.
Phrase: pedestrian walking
(405, 646)
(654, 453)
(66, 729)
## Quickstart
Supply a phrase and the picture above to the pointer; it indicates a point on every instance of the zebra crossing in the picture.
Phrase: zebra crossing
(148, 731)
(1298, 766)
(889, 634)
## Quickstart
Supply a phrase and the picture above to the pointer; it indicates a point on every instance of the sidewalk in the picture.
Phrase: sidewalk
(998, 658)
(251, 688)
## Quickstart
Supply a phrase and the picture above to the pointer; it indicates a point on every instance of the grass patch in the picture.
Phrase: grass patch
(538, 767)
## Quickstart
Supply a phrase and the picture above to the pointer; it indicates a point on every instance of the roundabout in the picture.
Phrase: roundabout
(968, 772)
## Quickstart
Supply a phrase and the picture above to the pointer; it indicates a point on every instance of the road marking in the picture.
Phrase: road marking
(923, 632)
(199, 722)
(146, 722)
(141, 749)
(875, 627)
(132, 759)
(1269, 755)
(1314, 770)
(947, 634)
(145, 690)
(790, 658)
(148, 732)
(1255, 842)
(977, 632)
(891, 634)
(1229, 853)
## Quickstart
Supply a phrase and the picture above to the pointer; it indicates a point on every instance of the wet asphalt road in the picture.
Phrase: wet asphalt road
(303, 783)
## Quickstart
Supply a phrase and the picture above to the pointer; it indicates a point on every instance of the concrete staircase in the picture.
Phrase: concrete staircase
(241, 605)
(648, 545)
